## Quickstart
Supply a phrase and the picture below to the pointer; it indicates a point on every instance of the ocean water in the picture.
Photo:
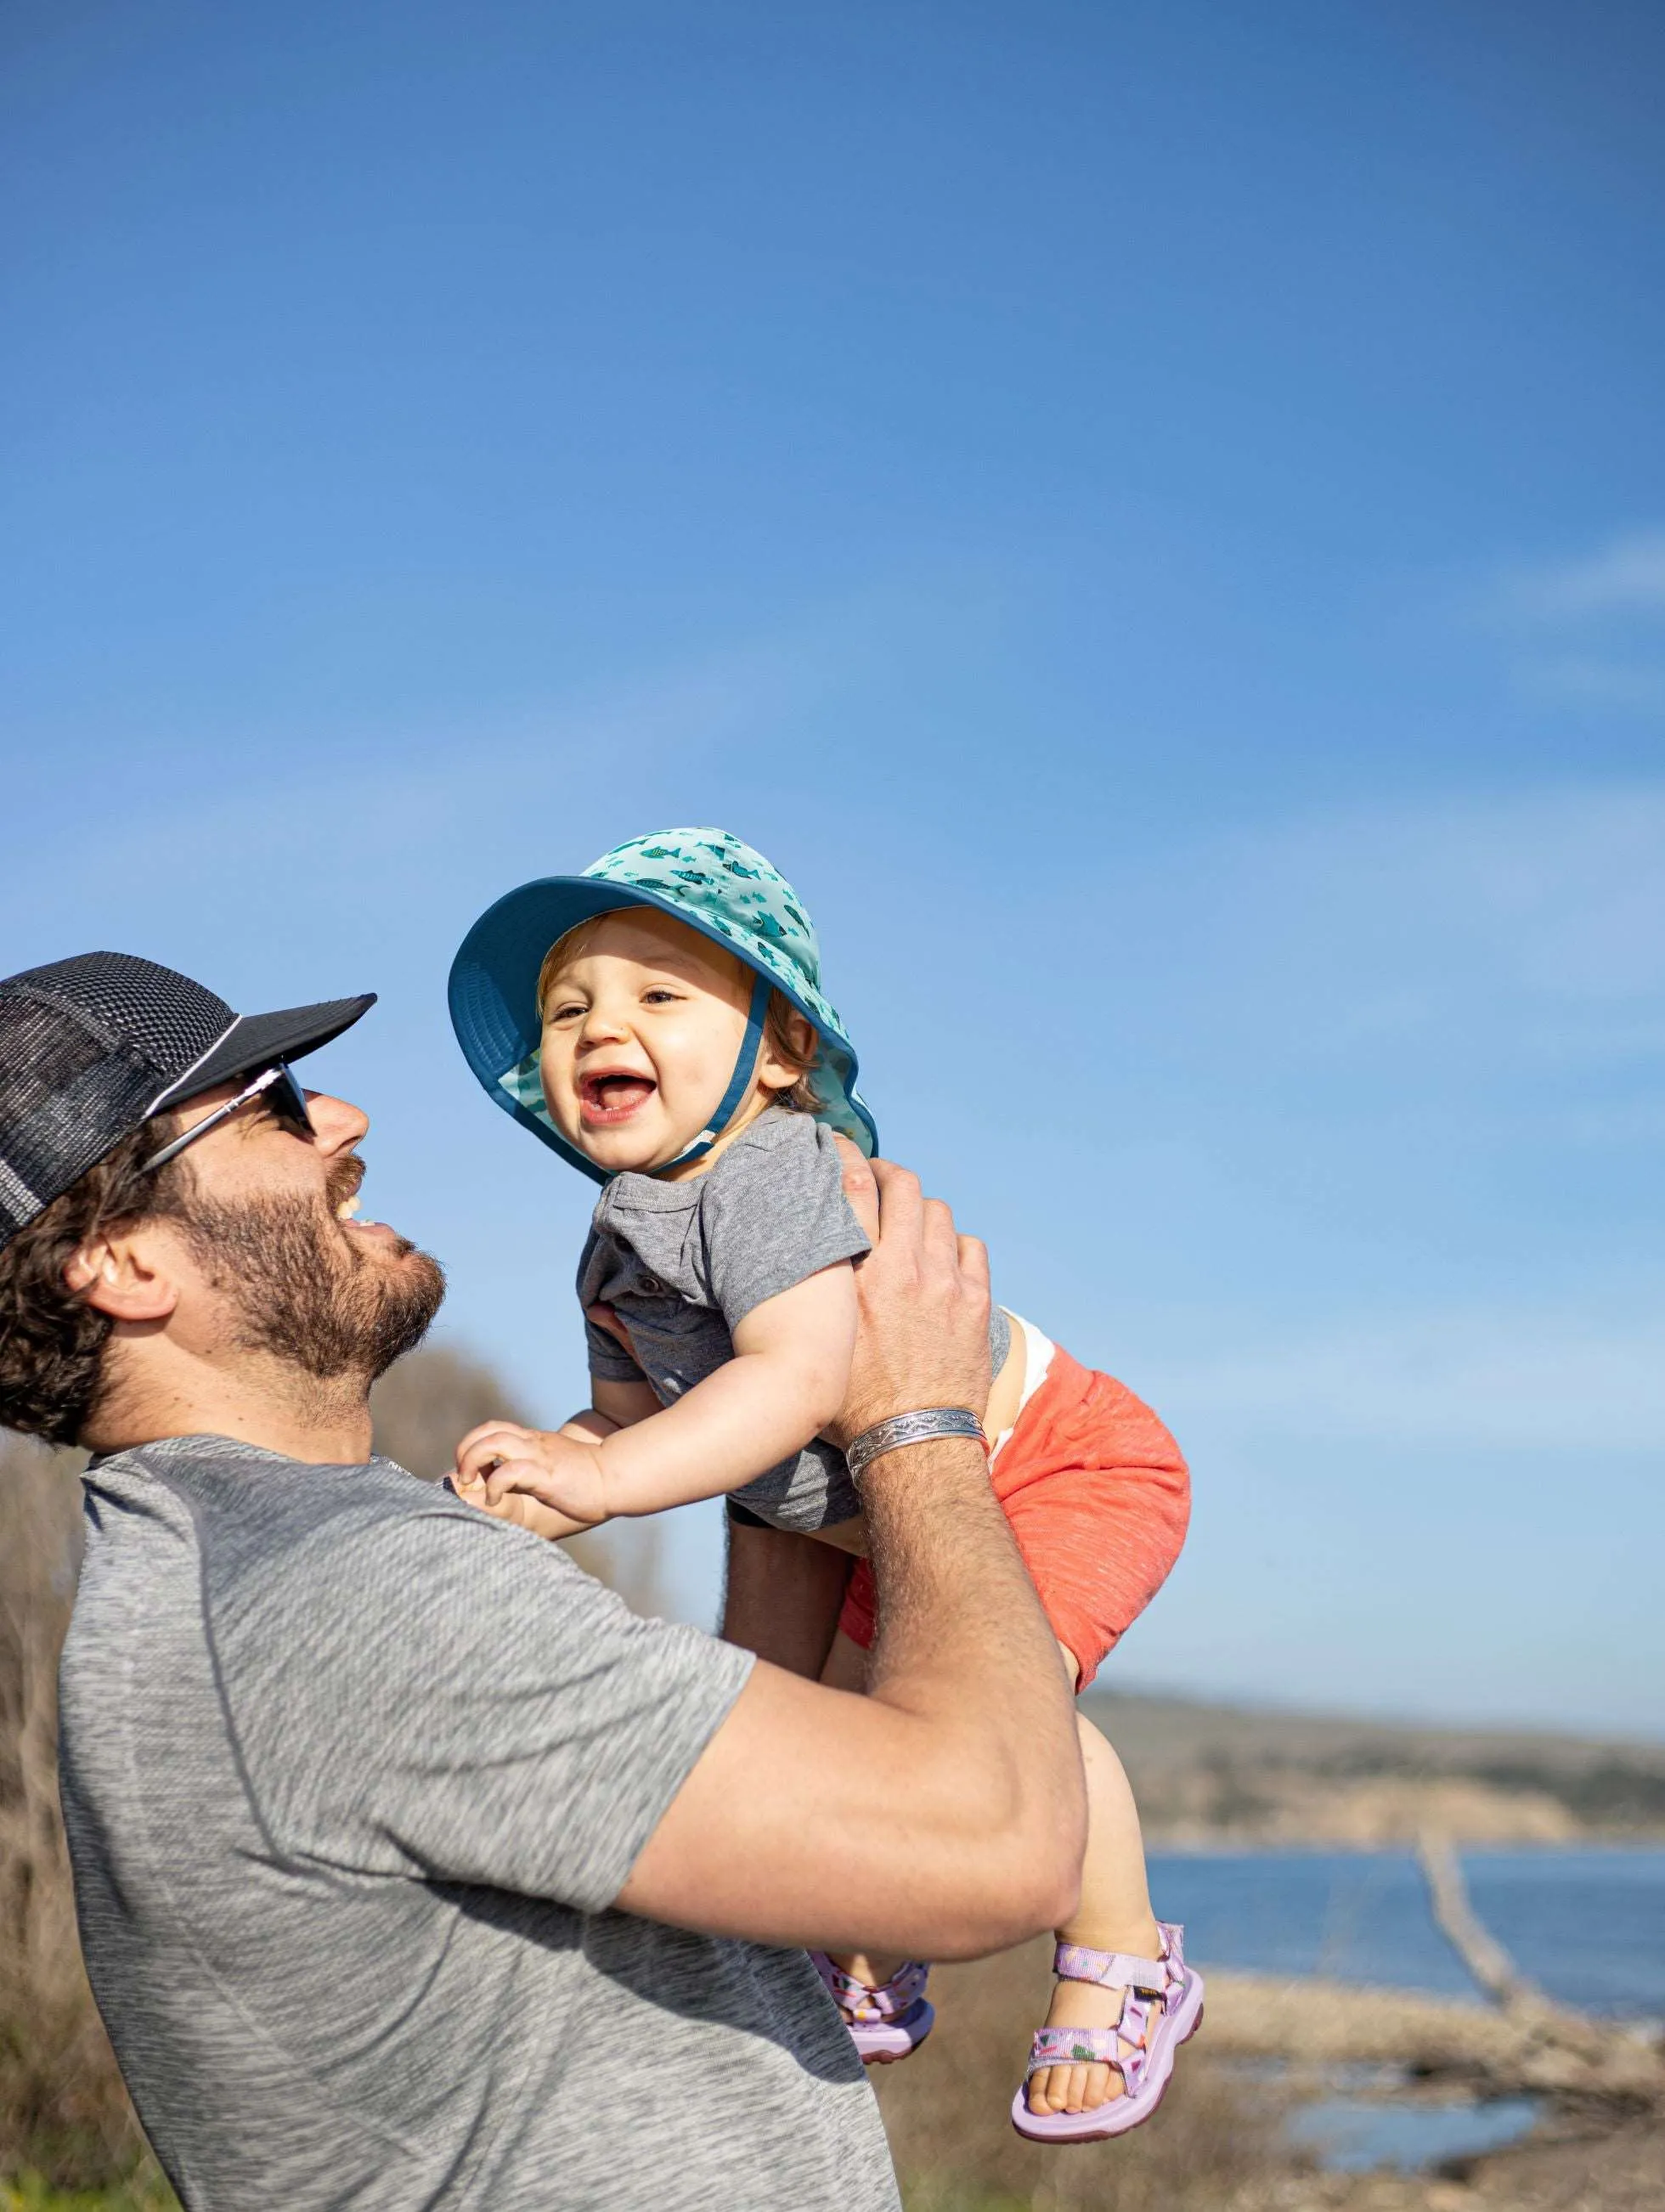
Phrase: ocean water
(1351, 2135)
(1588, 1926)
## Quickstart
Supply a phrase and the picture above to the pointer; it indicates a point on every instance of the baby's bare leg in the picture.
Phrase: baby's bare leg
(1115, 1915)
(846, 1665)
(846, 1670)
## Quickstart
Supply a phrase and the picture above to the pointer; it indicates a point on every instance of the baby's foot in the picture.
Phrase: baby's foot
(1131, 2063)
(1086, 2085)
(883, 2002)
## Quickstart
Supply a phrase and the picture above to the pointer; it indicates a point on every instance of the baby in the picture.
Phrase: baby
(658, 1021)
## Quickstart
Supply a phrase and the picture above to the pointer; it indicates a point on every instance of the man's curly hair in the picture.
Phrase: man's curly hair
(51, 1342)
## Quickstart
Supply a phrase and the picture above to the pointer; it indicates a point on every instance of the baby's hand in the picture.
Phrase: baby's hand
(548, 1482)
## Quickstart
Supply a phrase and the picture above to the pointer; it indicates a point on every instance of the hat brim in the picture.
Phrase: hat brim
(493, 989)
(254, 1040)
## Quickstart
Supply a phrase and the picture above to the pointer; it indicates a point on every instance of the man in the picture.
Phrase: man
(413, 1870)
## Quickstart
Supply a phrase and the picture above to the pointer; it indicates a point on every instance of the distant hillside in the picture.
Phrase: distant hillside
(1216, 1773)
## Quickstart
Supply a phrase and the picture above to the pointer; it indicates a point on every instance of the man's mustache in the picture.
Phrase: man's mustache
(343, 1179)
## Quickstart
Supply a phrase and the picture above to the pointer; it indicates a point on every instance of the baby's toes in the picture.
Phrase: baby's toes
(1101, 2082)
(1040, 2085)
(1074, 2088)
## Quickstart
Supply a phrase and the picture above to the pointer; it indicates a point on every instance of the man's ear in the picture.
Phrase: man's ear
(123, 1276)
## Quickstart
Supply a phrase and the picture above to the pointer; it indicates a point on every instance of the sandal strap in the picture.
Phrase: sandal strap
(1112, 1970)
(1074, 2046)
(1126, 2046)
(866, 2004)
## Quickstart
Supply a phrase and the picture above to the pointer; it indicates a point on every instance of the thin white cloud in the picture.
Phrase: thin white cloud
(1586, 682)
(1521, 1380)
(1484, 923)
(1626, 576)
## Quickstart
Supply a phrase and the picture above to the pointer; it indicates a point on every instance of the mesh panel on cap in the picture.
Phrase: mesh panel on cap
(171, 1020)
(66, 1098)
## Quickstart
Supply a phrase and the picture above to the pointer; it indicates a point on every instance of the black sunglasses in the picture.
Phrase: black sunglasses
(282, 1095)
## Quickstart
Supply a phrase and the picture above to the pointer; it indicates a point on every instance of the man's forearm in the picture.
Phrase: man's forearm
(964, 1645)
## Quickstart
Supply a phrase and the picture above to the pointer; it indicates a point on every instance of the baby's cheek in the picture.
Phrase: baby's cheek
(554, 1073)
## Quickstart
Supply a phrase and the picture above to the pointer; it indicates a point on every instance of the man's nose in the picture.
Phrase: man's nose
(336, 1125)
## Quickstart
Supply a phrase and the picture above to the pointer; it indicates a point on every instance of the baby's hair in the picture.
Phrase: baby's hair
(783, 1030)
(783, 1025)
(572, 946)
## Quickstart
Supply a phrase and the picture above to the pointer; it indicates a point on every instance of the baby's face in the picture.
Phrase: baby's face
(641, 1030)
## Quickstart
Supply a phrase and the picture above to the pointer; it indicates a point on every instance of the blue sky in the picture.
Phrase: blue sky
(1154, 516)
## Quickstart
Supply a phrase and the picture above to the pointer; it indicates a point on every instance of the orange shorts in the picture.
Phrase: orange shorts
(1098, 1498)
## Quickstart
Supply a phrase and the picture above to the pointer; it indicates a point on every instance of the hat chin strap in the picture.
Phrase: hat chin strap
(738, 1083)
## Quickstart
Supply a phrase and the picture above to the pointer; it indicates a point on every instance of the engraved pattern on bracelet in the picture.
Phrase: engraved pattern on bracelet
(923, 1427)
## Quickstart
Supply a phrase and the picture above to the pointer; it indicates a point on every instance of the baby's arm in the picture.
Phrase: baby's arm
(785, 1382)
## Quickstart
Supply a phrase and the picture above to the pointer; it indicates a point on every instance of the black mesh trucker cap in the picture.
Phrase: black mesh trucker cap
(91, 1047)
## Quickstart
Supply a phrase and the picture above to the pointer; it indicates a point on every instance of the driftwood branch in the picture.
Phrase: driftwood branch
(1556, 2050)
(1474, 1943)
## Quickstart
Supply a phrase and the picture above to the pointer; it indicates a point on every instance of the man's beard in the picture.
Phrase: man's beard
(303, 1293)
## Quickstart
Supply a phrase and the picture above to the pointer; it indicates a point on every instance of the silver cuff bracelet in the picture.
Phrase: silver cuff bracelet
(919, 1428)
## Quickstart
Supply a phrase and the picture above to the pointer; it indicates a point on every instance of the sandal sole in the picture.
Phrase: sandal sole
(884, 2047)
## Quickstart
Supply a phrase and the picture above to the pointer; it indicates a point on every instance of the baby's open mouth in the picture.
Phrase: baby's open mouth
(611, 1095)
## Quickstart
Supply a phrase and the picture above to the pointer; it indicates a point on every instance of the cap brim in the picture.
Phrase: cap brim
(254, 1040)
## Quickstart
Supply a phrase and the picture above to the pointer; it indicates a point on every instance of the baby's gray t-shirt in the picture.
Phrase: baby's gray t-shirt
(683, 1263)
(352, 1775)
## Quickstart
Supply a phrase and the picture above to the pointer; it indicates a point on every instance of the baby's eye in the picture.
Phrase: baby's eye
(661, 997)
(564, 1012)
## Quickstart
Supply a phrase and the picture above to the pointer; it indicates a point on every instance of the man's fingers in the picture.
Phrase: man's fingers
(899, 1197)
(860, 1188)
(974, 1261)
(937, 1228)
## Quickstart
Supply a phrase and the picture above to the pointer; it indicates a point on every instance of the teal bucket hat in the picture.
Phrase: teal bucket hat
(705, 877)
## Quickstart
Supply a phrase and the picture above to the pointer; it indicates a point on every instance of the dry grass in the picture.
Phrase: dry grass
(63, 2110)
(947, 2111)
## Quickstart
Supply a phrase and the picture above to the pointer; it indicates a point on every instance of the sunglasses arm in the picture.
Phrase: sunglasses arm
(262, 1082)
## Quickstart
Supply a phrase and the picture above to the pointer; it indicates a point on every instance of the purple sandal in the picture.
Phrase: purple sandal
(886, 2022)
(1155, 2031)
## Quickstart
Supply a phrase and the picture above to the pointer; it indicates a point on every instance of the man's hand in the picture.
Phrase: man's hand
(543, 1479)
(922, 1301)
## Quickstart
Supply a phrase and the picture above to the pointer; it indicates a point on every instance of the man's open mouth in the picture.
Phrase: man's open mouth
(349, 1210)
(611, 1095)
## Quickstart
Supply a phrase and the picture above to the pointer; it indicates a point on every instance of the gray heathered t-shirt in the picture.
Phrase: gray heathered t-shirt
(352, 1775)
(684, 1263)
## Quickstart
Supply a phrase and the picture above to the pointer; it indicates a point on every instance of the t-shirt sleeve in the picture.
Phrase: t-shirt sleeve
(774, 1218)
(466, 1704)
